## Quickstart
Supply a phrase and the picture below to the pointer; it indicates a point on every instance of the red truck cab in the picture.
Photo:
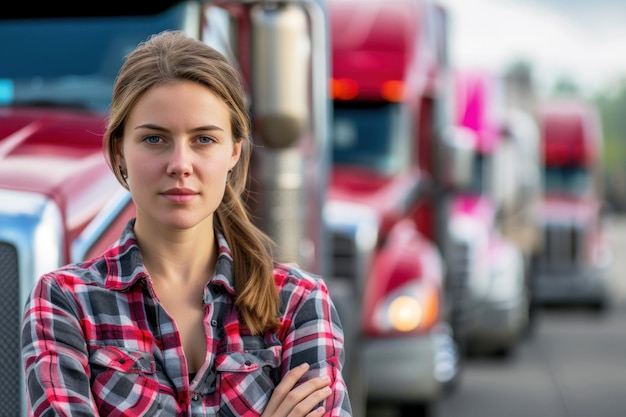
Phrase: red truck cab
(384, 65)
(573, 266)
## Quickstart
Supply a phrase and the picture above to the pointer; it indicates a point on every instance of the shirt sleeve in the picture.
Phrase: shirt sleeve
(54, 354)
(315, 336)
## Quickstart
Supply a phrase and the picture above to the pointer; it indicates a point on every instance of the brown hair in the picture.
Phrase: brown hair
(171, 56)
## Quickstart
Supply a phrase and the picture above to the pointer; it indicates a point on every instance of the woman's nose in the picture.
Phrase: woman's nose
(180, 161)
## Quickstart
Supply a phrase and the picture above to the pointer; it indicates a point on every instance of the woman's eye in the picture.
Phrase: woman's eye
(205, 139)
(152, 139)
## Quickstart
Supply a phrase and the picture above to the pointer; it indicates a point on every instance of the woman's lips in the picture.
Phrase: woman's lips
(179, 195)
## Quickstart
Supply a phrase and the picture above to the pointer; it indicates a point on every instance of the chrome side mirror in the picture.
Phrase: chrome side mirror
(280, 70)
(457, 156)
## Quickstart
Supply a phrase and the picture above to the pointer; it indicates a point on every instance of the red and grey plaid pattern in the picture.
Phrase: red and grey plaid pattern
(96, 341)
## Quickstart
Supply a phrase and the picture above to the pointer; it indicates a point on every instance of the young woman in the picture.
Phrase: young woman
(188, 313)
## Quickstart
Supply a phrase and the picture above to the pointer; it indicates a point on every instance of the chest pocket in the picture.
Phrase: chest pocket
(124, 382)
(246, 380)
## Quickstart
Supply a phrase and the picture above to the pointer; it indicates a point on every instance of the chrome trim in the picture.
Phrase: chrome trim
(355, 227)
(33, 224)
(96, 228)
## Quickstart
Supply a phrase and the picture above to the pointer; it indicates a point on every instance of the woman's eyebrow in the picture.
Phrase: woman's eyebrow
(163, 129)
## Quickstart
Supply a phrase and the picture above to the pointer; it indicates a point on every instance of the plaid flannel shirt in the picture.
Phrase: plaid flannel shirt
(96, 341)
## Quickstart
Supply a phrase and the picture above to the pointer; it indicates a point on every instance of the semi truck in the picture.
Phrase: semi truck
(390, 97)
(60, 203)
(488, 275)
(574, 264)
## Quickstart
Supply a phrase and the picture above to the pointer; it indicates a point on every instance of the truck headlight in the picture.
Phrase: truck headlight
(413, 306)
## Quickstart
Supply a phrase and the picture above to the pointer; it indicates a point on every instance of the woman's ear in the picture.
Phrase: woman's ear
(121, 162)
(237, 146)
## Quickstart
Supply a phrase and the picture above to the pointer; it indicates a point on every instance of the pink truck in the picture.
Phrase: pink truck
(488, 273)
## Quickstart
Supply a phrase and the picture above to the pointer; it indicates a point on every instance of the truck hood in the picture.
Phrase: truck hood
(562, 208)
(389, 197)
(56, 153)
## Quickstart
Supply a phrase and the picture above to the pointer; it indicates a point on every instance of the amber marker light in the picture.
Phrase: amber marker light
(392, 90)
(344, 89)
(431, 307)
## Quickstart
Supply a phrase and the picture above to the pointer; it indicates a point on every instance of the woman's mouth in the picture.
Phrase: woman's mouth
(179, 195)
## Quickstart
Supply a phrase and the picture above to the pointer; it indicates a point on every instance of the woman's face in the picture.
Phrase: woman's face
(177, 150)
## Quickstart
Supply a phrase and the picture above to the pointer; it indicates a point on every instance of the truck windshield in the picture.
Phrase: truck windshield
(574, 181)
(374, 136)
(71, 61)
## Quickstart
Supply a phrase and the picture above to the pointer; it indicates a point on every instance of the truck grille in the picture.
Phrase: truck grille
(10, 325)
(563, 247)
(458, 263)
(345, 256)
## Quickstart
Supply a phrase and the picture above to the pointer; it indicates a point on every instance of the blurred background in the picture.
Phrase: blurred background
(571, 47)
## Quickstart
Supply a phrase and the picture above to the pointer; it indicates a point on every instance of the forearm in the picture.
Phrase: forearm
(316, 337)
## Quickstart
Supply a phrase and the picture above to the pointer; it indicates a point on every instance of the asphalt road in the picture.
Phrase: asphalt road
(574, 365)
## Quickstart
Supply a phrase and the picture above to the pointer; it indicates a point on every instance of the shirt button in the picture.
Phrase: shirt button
(195, 397)
(214, 323)
(248, 363)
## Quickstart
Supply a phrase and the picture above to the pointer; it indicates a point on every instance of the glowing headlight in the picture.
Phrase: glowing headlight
(413, 306)
(405, 313)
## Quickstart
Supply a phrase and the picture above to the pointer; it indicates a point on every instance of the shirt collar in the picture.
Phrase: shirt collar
(125, 265)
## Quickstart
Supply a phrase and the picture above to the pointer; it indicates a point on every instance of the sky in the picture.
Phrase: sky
(583, 40)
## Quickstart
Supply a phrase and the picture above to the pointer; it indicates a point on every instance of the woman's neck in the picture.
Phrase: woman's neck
(178, 256)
